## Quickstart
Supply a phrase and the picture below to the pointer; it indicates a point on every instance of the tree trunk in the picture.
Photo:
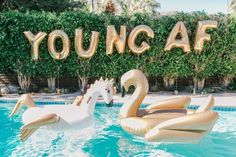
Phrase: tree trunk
(24, 81)
(168, 82)
(198, 83)
(227, 80)
(83, 82)
(51, 84)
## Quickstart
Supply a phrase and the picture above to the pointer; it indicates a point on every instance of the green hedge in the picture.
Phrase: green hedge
(218, 57)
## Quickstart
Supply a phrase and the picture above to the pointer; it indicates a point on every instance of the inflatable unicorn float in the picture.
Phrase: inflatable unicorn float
(78, 115)
(165, 121)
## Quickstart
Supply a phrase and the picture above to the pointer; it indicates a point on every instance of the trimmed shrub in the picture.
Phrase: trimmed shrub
(216, 59)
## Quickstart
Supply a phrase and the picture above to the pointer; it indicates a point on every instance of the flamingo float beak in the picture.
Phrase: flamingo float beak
(123, 91)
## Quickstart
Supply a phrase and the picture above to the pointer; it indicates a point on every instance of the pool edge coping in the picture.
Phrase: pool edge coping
(116, 104)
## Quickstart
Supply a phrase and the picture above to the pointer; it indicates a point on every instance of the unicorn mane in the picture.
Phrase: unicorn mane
(90, 93)
(97, 83)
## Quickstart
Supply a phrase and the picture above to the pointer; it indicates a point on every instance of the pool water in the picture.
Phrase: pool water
(107, 139)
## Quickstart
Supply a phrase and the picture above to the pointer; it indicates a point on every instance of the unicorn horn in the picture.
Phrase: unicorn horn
(112, 81)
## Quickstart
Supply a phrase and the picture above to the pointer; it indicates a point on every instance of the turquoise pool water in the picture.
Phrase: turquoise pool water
(107, 139)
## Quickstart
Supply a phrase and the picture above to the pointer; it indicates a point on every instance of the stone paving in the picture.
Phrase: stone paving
(222, 99)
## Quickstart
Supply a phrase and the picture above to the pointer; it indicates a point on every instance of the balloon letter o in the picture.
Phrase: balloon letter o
(65, 43)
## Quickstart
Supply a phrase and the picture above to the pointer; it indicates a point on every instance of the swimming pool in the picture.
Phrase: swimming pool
(108, 139)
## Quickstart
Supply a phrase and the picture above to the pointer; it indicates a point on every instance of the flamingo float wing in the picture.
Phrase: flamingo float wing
(147, 120)
(207, 105)
(171, 103)
(163, 135)
(193, 125)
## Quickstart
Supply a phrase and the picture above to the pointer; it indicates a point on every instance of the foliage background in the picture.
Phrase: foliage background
(218, 57)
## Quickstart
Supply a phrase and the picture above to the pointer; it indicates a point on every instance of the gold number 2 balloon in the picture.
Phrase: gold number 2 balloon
(65, 43)
(134, 34)
(35, 41)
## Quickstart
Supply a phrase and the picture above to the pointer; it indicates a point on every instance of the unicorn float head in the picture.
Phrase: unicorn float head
(102, 88)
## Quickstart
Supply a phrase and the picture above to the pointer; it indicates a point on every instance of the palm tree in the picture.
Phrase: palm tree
(110, 7)
(130, 7)
(46, 5)
(232, 6)
(100, 6)
(126, 7)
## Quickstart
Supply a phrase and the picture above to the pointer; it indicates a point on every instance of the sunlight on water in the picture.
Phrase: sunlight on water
(106, 138)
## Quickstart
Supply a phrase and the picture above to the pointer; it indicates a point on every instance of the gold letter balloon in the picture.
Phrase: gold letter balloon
(178, 38)
(79, 44)
(35, 41)
(114, 39)
(183, 42)
(65, 43)
(201, 35)
(134, 34)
